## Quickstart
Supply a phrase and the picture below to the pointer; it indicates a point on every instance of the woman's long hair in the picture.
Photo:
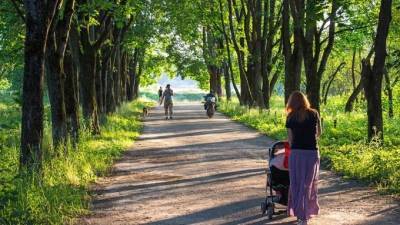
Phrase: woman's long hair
(298, 106)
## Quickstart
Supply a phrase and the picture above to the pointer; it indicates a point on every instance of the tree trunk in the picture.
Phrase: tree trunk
(245, 93)
(71, 98)
(274, 79)
(88, 89)
(141, 54)
(305, 24)
(219, 82)
(254, 75)
(374, 101)
(233, 78)
(353, 75)
(99, 85)
(374, 76)
(213, 71)
(266, 92)
(128, 86)
(292, 57)
(92, 40)
(72, 70)
(273, 57)
(105, 68)
(210, 43)
(253, 35)
(313, 87)
(56, 46)
(331, 80)
(123, 77)
(353, 96)
(132, 75)
(110, 102)
(38, 20)
(269, 30)
(136, 85)
(389, 93)
(227, 80)
(244, 90)
(228, 51)
(55, 83)
(117, 76)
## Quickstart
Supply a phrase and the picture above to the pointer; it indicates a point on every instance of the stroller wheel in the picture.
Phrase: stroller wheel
(263, 208)
(270, 210)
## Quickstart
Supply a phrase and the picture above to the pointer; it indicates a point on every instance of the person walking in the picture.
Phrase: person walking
(304, 128)
(168, 104)
(160, 92)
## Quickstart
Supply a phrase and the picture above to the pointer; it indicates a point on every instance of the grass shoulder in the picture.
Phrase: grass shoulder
(61, 192)
(343, 145)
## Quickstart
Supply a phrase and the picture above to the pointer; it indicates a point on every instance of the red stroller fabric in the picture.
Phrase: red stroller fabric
(287, 154)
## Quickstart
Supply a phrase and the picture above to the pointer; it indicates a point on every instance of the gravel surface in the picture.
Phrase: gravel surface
(195, 170)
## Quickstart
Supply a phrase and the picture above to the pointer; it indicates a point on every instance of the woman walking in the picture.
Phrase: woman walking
(168, 104)
(304, 128)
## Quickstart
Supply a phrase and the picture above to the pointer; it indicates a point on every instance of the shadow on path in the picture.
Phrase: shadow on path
(224, 211)
(195, 170)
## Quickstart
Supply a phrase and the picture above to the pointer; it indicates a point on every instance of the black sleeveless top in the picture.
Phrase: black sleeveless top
(304, 132)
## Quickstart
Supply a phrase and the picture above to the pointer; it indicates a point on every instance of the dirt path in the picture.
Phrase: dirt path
(194, 170)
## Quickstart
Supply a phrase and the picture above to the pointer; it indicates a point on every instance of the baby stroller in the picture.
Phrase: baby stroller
(277, 178)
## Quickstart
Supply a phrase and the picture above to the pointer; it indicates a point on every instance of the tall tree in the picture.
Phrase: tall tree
(373, 74)
(306, 15)
(56, 46)
(39, 16)
(91, 39)
(229, 74)
(211, 51)
(253, 35)
(293, 53)
(239, 46)
(71, 68)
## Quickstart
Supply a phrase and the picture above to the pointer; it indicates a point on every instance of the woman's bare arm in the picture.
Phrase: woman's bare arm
(319, 127)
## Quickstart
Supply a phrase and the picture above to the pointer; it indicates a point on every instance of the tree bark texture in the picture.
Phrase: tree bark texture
(293, 55)
(39, 15)
(373, 75)
(71, 97)
(315, 56)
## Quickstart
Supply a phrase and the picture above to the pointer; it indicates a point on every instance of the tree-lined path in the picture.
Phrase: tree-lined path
(194, 170)
(73, 74)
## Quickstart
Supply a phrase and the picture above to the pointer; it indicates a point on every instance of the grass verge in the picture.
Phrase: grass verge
(343, 147)
(60, 193)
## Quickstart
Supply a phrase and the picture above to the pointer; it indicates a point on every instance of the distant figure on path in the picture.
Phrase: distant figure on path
(209, 95)
(168, 104)
(304, 128)
(160, 92)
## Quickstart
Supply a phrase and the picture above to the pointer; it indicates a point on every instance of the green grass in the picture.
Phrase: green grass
(60, 193)
(344, 148)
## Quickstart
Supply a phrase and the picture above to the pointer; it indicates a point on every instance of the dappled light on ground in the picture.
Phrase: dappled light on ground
(195, 170)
